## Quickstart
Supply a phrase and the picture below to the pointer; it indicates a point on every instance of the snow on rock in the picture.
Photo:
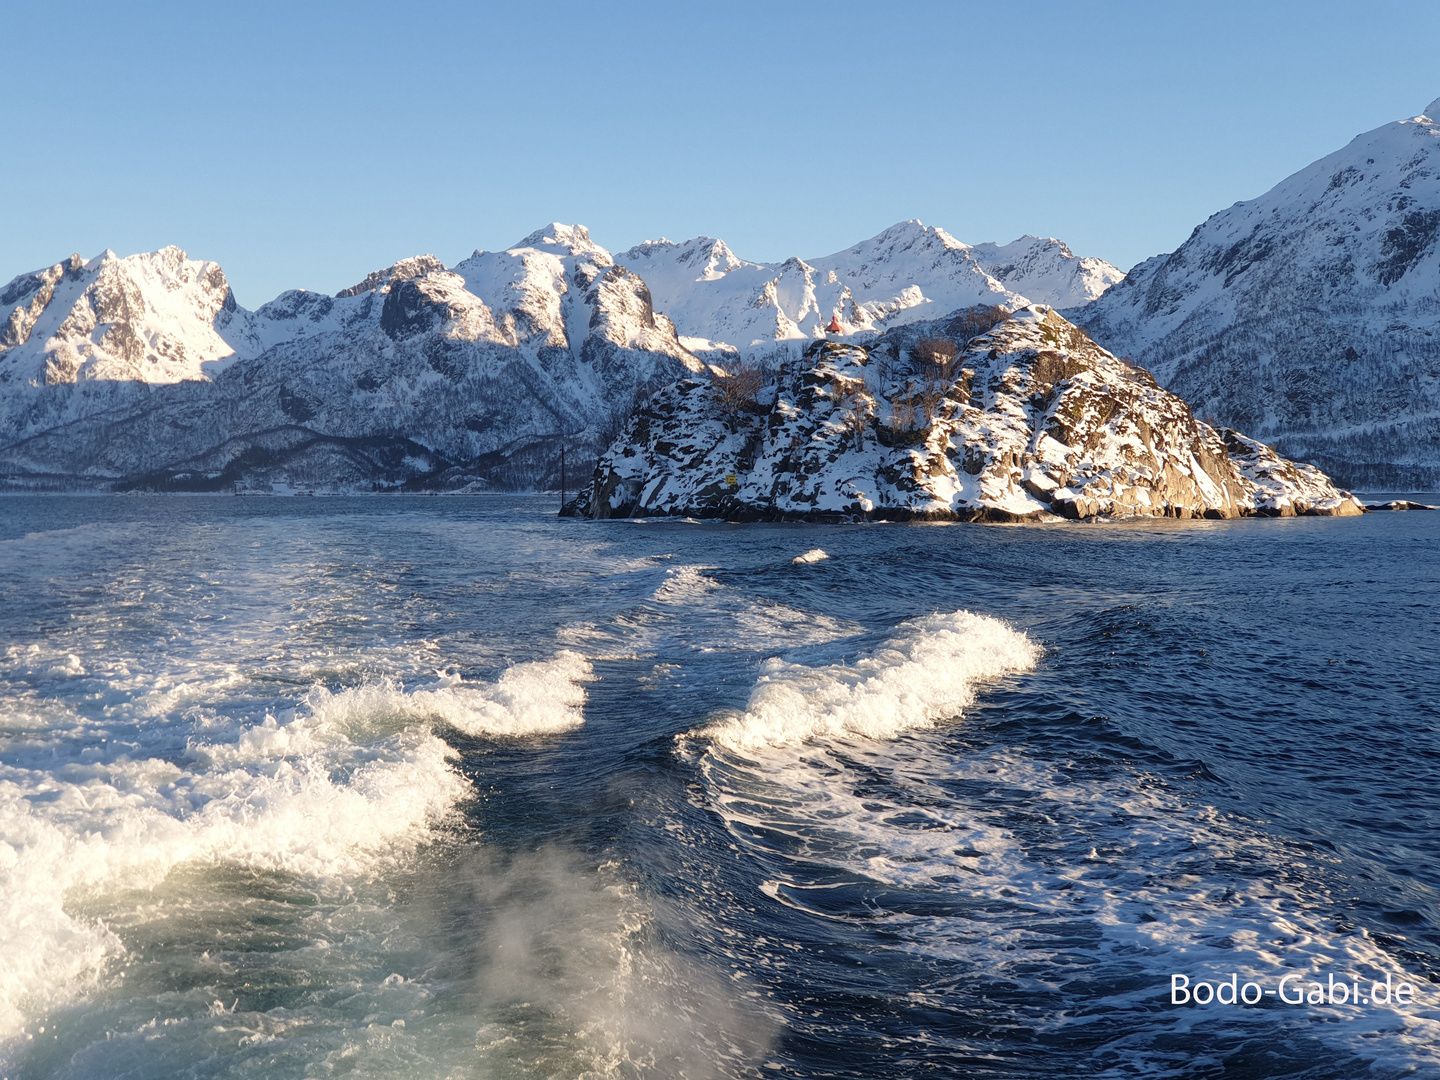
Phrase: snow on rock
(381, 280)
(982, 416)
(732, 308)
(1283, 488)
(911, 272)
(144, 371)
(1046, 271)
(156, 318)
(418, 374)
(1309, 316)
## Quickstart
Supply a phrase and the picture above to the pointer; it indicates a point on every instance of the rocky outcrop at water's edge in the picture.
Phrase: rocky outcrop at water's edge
(982, 416)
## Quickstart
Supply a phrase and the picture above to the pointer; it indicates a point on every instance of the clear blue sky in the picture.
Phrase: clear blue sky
(303, 145)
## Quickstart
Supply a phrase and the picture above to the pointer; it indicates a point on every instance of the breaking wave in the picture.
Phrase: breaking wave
(538, 698)
(342, 786)
(927, 671)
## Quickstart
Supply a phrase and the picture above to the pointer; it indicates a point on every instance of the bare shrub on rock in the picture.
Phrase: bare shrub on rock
(617, 421)
(856, 407)
(981, 319)
(737, 389)
(936, 361)
(935, 356)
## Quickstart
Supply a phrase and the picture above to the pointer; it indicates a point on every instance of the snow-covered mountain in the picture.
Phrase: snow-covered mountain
(907, 273)
(1047, 271)
(146, 370)
(724, 305)
(1309, 316)
(978, 417)
(156, 318)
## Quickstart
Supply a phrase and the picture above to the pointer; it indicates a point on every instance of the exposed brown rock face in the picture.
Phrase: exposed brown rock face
(1030, 420)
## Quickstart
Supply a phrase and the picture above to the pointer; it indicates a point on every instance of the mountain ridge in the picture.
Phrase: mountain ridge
(908, 272)
(556, 338)
(1310, 315)
(144, 370)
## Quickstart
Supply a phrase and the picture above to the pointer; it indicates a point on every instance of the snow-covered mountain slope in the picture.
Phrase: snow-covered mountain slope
(144, 370)
(1021, 419)
(155, 318)
(911, 272)
(1309, 316)
(1046, 271)
(722, 303)
(418, 371)
(557, 289)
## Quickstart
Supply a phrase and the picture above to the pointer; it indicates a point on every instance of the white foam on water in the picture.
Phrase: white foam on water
(537, 698)
(684, 585)
(692, 609)
(341, 787)
(764, 624)
(1114, 886)
(927, 671)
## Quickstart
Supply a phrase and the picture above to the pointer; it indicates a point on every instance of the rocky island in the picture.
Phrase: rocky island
(986, 415)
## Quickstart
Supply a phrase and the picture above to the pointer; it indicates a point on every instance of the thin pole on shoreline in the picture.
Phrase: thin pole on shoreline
(562, 475)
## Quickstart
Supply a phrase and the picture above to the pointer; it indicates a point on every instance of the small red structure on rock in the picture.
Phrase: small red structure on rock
(834, 327)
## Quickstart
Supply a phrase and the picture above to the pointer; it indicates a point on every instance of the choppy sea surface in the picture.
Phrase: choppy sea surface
(449, 787)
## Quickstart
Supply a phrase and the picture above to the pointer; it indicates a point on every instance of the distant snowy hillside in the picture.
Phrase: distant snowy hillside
(722, 303)
(1047, 271)
(909, 272)
(155, 318)
(144, 370)
(1310, 316)
(913, 271)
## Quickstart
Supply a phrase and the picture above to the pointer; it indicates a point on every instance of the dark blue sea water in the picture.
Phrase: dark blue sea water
(451, 787)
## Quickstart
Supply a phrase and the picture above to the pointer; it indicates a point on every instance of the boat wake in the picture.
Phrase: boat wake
(339, 788)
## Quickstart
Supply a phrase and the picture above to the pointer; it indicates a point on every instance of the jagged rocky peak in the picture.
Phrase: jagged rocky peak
(913, 271)
(725, 305)
(438, 302)
(559, 289)
(418, 374)
(1032, 269)
(158, 317)
(404, 270)
(446, 377)
(1308, 316)
(986, 415)
(708, 258)
(571, 239)
(26, 296)
(900, 237)
(1046, 271)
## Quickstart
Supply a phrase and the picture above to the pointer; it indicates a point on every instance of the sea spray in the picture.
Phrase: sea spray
(340, 787)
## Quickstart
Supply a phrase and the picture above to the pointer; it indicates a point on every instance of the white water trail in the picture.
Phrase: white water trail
(344, 787)
(927, 671)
